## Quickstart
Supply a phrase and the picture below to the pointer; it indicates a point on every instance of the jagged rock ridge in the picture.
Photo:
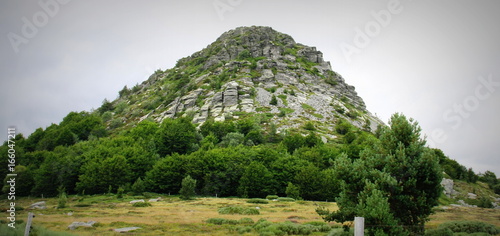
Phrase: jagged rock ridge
(250, 70)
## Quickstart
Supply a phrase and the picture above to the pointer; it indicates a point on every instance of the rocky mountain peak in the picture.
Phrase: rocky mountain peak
(250, 71)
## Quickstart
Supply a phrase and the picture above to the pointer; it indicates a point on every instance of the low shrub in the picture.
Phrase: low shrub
(141, 204)
(439, 232)
(258, 201)
(286, 199)
(246, 221)
(221, 221)
(470, 227)
(238, 210)
(272, 197)
(244, 229)
(82, 205)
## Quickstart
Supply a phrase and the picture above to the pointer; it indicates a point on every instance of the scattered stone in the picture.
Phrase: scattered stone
(471, 196)
(69, 213)
(127, 229)
(448, 187)
(463, 203)
(134, 201)
(155, 199)
(38, 205)
(75, 225)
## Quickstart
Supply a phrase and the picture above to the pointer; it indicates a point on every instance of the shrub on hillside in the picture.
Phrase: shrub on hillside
(272, 197)
(470, 227)
(439, 232)
(238, 210)
(141, 204)
(258, 201)
(286, 199)
(221, 221)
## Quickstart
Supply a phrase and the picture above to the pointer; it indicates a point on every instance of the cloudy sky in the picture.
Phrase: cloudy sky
(435, 61)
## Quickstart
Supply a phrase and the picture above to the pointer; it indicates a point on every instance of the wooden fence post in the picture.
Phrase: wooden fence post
(28, 224)
(359, 226)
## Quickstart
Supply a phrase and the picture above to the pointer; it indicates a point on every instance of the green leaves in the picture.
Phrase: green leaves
(395, 182)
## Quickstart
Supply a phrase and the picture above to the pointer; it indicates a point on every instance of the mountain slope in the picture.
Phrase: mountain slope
(246, 71)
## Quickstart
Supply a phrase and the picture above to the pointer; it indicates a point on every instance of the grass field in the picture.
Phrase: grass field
(173, 216)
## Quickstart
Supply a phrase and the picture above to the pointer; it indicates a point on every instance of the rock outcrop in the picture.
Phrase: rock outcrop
(241, 72)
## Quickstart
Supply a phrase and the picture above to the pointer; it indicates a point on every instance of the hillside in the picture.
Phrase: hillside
(253, 114)
(246, 71)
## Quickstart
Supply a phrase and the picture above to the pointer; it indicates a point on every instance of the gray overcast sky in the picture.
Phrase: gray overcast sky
(434, 61)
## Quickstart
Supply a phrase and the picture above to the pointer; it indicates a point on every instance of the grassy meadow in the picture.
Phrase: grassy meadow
(173, 216)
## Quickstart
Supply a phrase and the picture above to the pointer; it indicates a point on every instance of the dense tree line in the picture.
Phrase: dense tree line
(232, 158)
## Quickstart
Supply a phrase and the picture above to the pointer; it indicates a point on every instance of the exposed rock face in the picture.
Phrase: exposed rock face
(38, 205)
(243, 70)
(448, 187)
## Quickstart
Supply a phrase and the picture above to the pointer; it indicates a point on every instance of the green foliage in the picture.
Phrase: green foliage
(238, 211)
(293, 142)
(439, 232)
(176, 136)
(264, 227)
(138, 187)
(343, 127)
(232, 139)
(119, 192)
(273, 101)
(309, 126)
(258, 201)
(483, 202)
(470, 227)
(63, 198)
(141, 204)
(285, 199)
(245, 54)
(106, 106)
(491, 179)
(307, 107)
(400, 165)
(292, 191)
(256, 181)
(221, 221)
(188, 187)
(272, 197)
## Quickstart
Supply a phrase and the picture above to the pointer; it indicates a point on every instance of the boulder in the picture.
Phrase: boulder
(127, 229)
(448, 187)
(134, 201)
(471, 196)
(38, 205)
(75, 225)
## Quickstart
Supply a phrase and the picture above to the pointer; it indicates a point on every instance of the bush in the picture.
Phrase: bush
(246, 221)
(292, 191)
(141, 204)
(258, 201)
(439, 232)
(272, 197)
(286, 228)
(221, 221)
(470, 227)
(119, 192)
(238, 210)
(473, 234)
(187, 189)
(286, 199)
(243, 229)
(273, 101)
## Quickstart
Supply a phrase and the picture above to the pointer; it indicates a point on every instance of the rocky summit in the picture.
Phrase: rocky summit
(247, 71)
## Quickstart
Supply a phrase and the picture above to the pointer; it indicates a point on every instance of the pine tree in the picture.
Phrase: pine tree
(399, 177)
(187, 191)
